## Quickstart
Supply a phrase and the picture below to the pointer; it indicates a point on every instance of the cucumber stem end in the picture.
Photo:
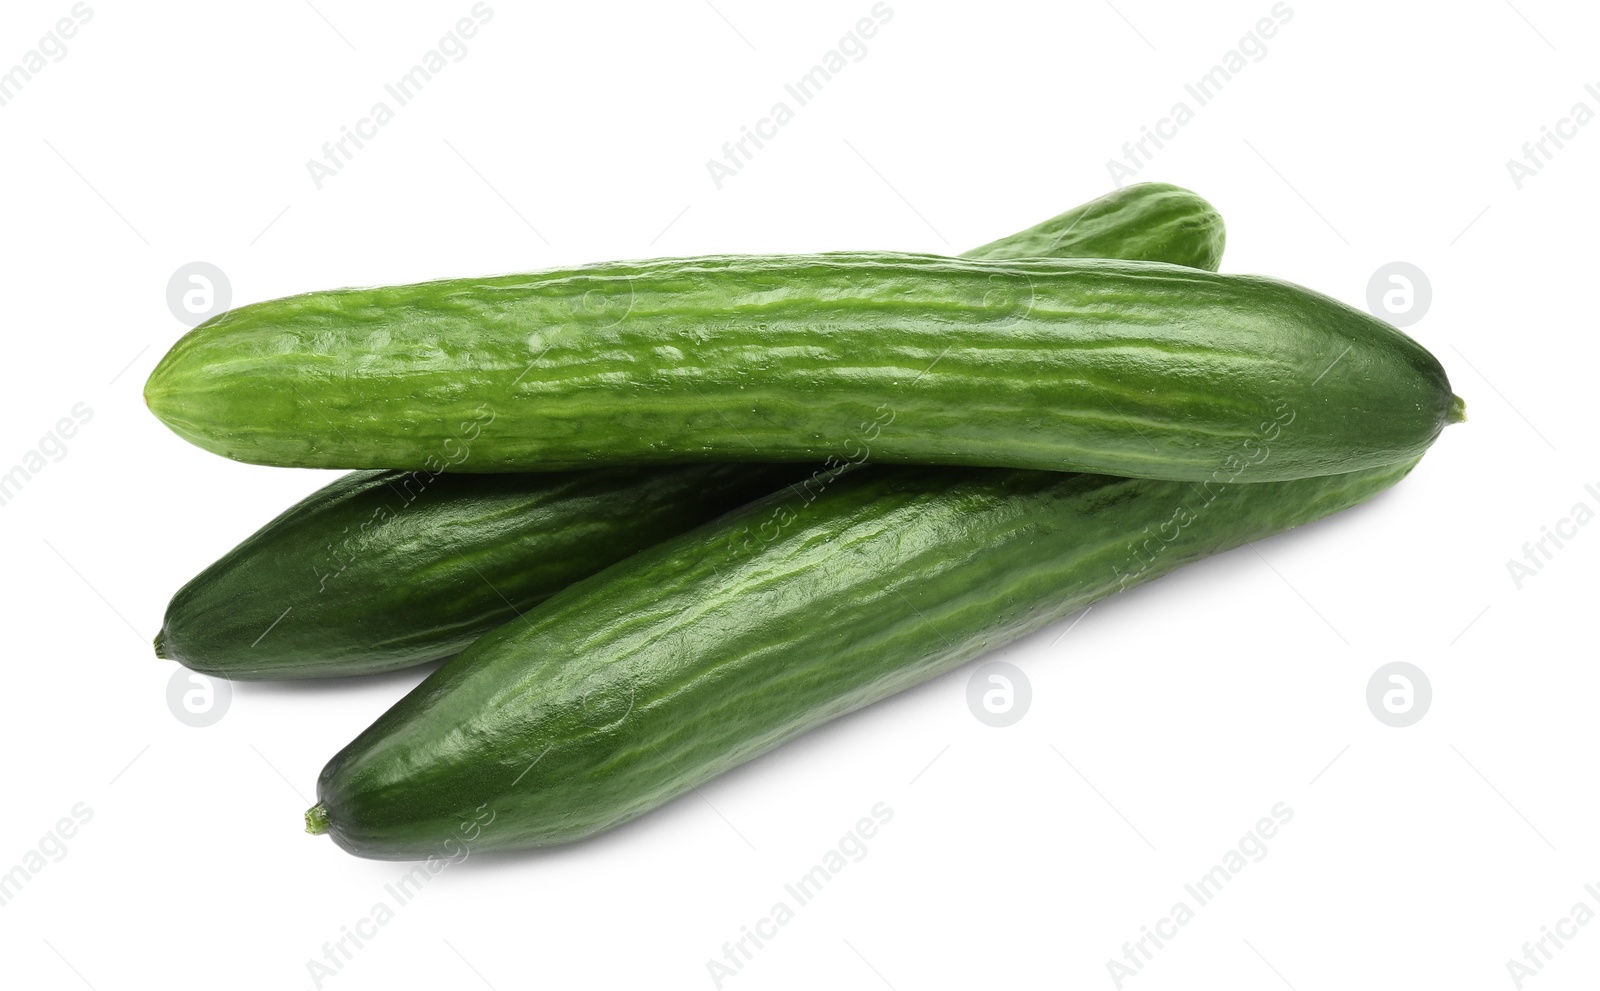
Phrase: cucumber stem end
(317, 819)
(1458, 410)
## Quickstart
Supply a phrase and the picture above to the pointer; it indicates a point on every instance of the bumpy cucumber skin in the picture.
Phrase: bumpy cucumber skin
(386, 569)
(696, 655)
(1137, 369)
(1174, 225)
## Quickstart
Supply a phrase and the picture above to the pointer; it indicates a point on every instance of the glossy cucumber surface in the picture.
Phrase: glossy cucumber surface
(654, 676)
(1150, 221)
(1132, 368)
(386, 569)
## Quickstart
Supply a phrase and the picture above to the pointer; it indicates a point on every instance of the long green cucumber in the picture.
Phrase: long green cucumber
(661, 672)
(1130, 368)
(386, 569)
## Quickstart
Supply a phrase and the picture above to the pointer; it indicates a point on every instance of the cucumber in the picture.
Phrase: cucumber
(1169, 223)
(386, 569)
(1131, 368)
(696, 655)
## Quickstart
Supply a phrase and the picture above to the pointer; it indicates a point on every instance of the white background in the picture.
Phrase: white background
(1162, 726)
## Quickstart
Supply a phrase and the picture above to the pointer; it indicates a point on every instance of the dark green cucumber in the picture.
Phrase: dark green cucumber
(1130, 368)
(386, 569)
(698, 654)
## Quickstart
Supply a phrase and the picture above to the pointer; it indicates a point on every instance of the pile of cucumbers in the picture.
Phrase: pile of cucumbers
(663, 516)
